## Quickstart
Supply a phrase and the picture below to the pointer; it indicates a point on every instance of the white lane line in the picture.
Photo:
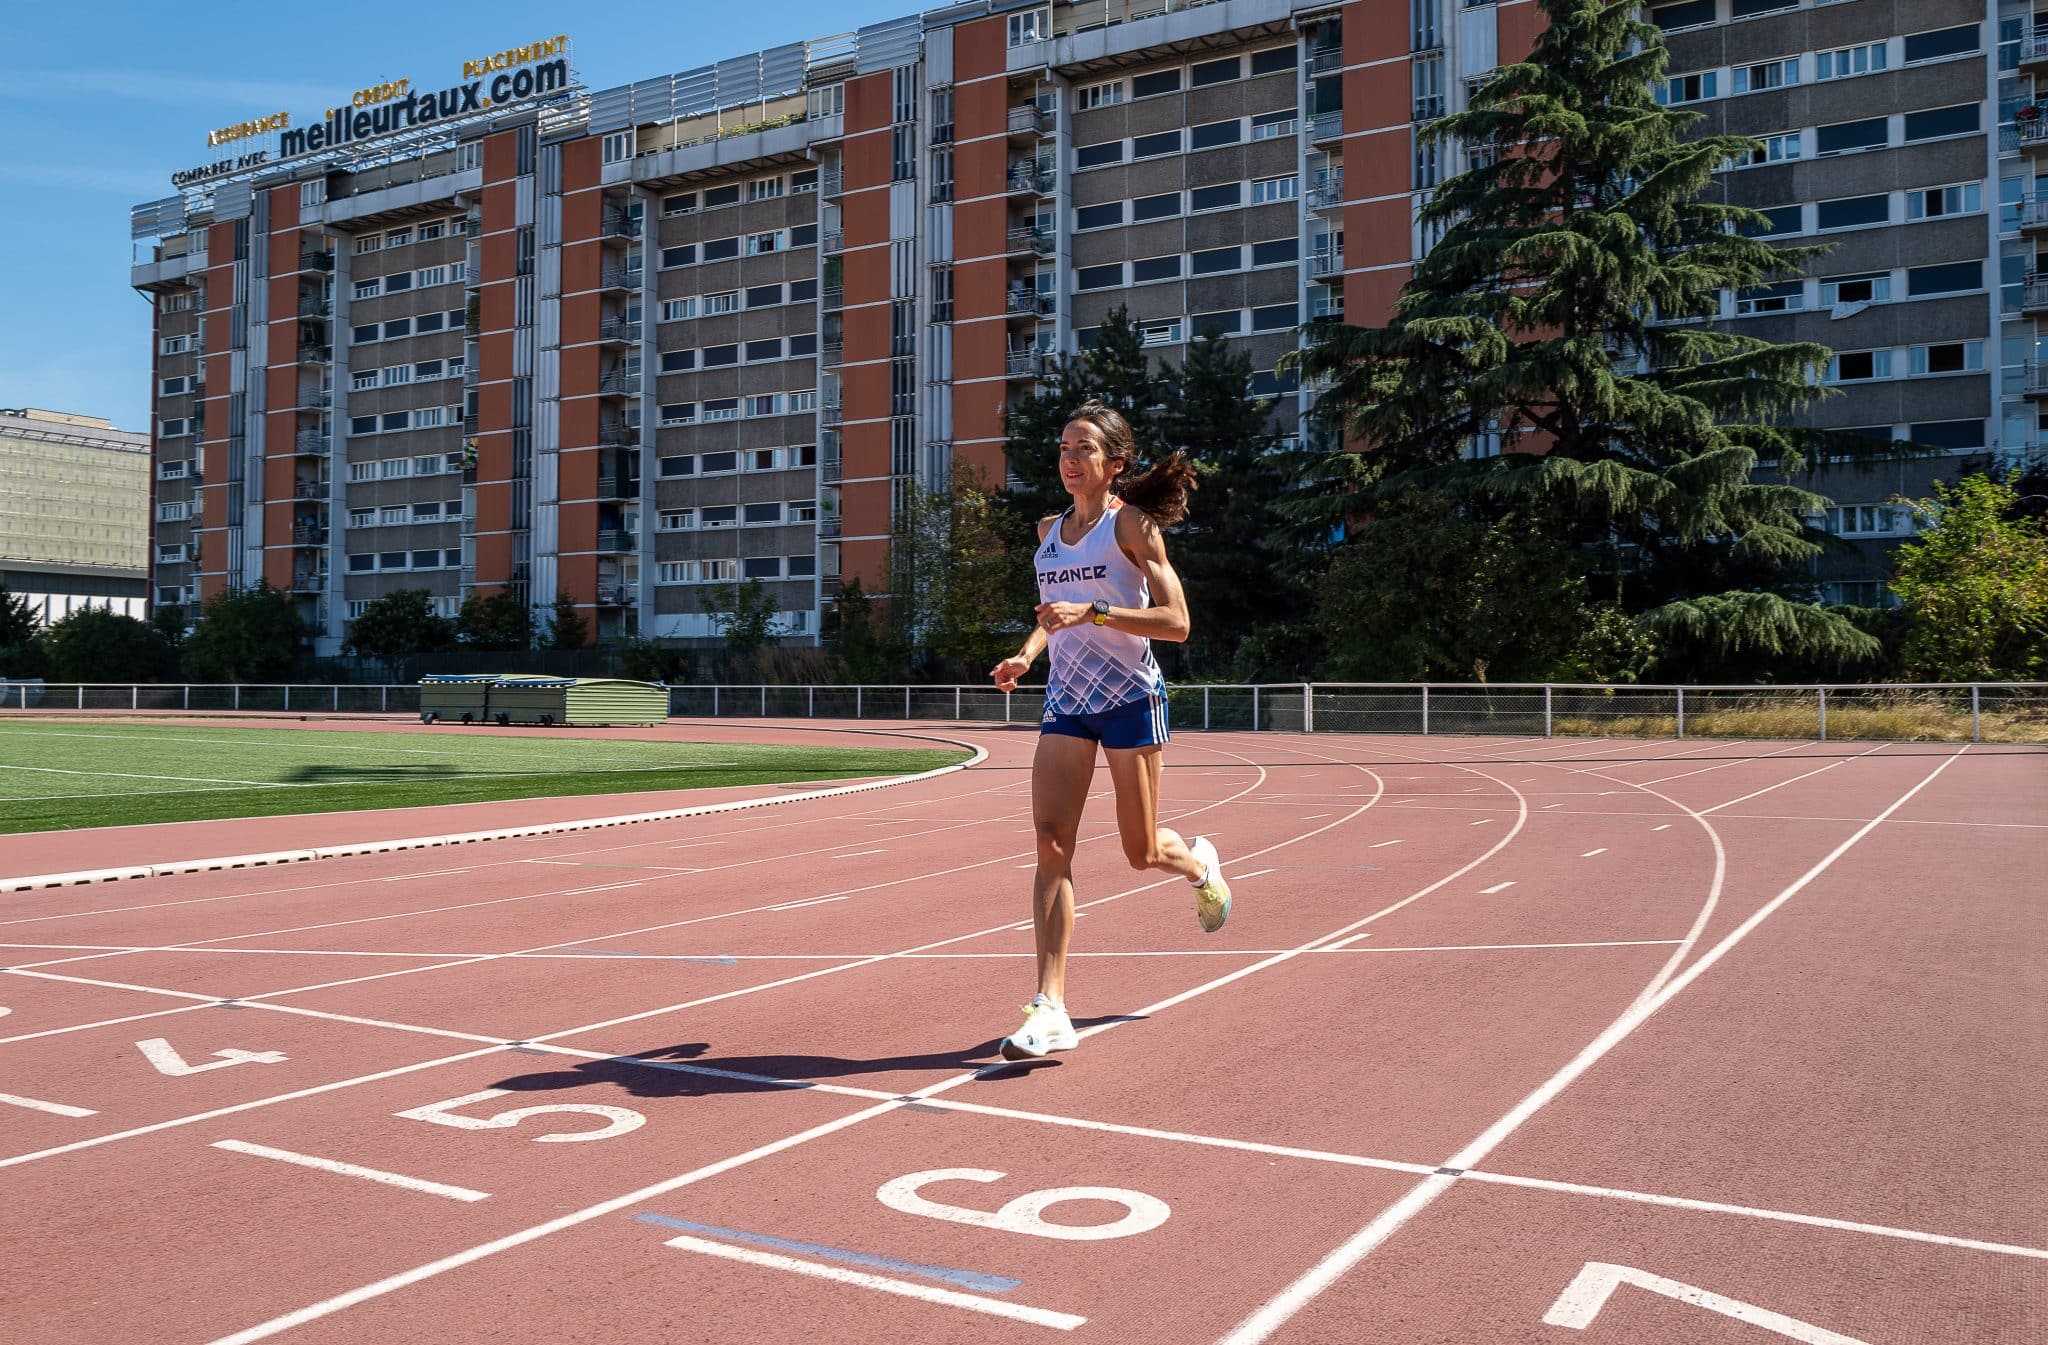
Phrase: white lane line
(1590, 853)
(1510, 947)
(352, 1170)
(1379, 844)
(1345, 943)
(1497, 887)
(1315, 817)
(1283, 1306)
(952, 1298)
(1549, 806)
(1480, 823)
(856, 854)
(1255, 873)
(1665, 827)
(1793, 781)
(53, 1108)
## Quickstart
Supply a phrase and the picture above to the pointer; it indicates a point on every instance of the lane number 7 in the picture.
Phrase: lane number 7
(1583, 1298)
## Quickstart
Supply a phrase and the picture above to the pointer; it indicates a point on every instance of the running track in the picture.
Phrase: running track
(1507, 1041)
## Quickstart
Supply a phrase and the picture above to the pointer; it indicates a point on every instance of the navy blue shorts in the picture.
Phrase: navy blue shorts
(1138, 723)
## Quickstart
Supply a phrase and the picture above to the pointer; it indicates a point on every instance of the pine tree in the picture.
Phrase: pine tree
(1564, 309)
(1114, 369)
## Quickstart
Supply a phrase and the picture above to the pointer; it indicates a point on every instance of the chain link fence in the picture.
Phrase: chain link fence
(2012, 712)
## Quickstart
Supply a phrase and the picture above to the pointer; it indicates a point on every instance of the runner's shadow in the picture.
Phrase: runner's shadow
(689, 1070)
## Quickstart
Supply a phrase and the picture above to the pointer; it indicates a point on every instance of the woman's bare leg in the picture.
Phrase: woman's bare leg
(1061, 771)
(1147, 845)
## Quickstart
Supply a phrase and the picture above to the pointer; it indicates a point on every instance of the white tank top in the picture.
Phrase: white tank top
(1093, 668)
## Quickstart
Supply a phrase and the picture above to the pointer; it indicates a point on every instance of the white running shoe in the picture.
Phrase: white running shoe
(1046, 1028)
(1212, 894)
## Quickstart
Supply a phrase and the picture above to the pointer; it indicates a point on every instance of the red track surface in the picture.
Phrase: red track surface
(1491, 1015)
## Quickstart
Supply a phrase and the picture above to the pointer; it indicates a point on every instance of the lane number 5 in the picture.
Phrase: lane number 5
(1025, 1214)
(1583, 1298)
(621, 1121)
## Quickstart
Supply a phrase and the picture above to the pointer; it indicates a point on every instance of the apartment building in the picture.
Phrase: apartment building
(74, 513)
(710, 326)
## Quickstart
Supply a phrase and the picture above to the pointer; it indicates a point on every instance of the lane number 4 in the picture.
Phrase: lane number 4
(1589, 1291)
(1026, 1213)
(619, 1120)
(164, 1056)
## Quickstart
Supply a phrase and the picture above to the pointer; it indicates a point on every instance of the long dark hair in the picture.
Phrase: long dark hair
(1161, 490)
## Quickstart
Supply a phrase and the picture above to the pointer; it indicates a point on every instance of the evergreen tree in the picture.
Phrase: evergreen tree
(496, 622)
(398, 625)
(1564, 309)
(96, 644)
(1114, 369)
(21, 651)
(245, 635)
(566, 627)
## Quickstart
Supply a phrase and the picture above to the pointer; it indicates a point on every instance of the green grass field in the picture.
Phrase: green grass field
(68, 775)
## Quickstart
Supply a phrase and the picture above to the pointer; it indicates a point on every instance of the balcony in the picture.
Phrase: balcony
(315, 306)
(832, 241)
(828, 525)
(617, 434)
(2034, 49)
(1324, 265)
(315, 354)
(1326, 192)
(309, 534)
(1026, 179)
(833, 352)
(311, 399)
(831, 413)
(832, 297)
(2032, 132)
(619, 383)
(1429, 106)
(309, 582)
(831, 470)
(1026, 304)
(1028, 123)
(1323, 61)
(1325, 126)
(2033, 214)
(620, 278)
(2034, 294)
(312, 444)
(311, 490)
(618, 486)
(618, 332)
(614, 541)
(619, 226)
(1024, 364)
(312, 260)
(614, 595)
(1029, 241)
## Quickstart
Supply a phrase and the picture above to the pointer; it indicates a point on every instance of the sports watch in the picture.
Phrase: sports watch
(1101, 611)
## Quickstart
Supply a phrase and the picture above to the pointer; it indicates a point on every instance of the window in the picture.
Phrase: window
(176, 345)
(760, 244)
(1163, 206)
(1099, 216)
(1869, 520)
(1213, 260)
(1098, 95)
(717, 357)
(1099, 277)
(1215, 72)
(1850, 212)
(1847, 61)
(803, 511)
(675, 520)
(1267, 190)
(1155, 268)
(764, 189)
(362, 518)
(1274, 60)
(806, 400)
(1152, 146)
(1276, 317)
(1160, 81)
(429, 464)
(368, 243)
(1274, 125)
(1873, 287)
(397, 238)
(682, 466)
(720, 408)
(681, 255)
(755, 515)
(394, 420)
(397, 327)
(368, 289)
(718, 463)
(1934, 202)
(678, 413)
(397, 374)
(1783, 219)
(727, 302)
(427, 369)
(683, 203)
(1936, 122)
(1953, 278)
(363, 424)
(1686, 14)
(1769, 75)
(1215, 198)
(1033, 25)
(1845, 136)
(1095, 156)
(1280, 250)
(803, 236)
(1951, 357)
(1932, 46)
(392, 515)
(430, 232)
(1211, 134)
(721, 249)
(768, 349)
(1786, 297)
(1691, 88)
(804, 343)
(1777, 148)
(174, 428)
(429, 322)
(1859, 366)
(173, 386)
(718, 196)
(675, 310)
(802, 291)
(431, 275)
(678, 361)
(1743, 9)
(1947, 433)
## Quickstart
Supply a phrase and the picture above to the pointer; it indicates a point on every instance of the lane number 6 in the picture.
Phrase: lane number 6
(1025, 1214)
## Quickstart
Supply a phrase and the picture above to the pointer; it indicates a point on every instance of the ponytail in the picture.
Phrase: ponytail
(1161, 490)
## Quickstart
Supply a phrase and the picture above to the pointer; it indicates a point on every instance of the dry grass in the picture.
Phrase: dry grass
(1875, 716)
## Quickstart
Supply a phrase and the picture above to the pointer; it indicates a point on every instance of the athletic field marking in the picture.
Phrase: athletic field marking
(1378, 844)
(1589, 1291)
(1315, 817)
(1497, 887)
(1665, 827)
(1258, 873)
(952, 1298)
(965, 1279)
(1548, 806)
(352, 1170)
(164, 1058)
(1793, 781)
(1507, 947)
(1343, 943)
(858, 853)
(53, 1108)
(1590, 853)
(1278, 1310)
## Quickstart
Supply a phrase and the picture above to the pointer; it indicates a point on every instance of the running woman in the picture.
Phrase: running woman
(1105, 593)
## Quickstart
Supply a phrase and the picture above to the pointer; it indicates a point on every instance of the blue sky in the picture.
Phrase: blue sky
(102, 101)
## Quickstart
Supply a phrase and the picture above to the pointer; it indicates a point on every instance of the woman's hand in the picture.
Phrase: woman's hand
(1054, 616)
(1008, 671)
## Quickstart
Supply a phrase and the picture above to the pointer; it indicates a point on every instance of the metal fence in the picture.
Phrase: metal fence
(1951, 712)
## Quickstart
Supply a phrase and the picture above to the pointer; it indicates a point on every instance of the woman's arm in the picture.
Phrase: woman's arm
(1010, 669)
(1167, 618)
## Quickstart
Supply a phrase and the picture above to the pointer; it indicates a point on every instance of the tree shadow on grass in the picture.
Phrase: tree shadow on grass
(690, 1070)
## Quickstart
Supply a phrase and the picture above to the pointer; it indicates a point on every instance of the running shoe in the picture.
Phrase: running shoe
(1046, 1028)
(1212, 894)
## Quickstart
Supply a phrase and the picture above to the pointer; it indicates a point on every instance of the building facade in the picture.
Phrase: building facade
(74, 513)
(629, 344)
